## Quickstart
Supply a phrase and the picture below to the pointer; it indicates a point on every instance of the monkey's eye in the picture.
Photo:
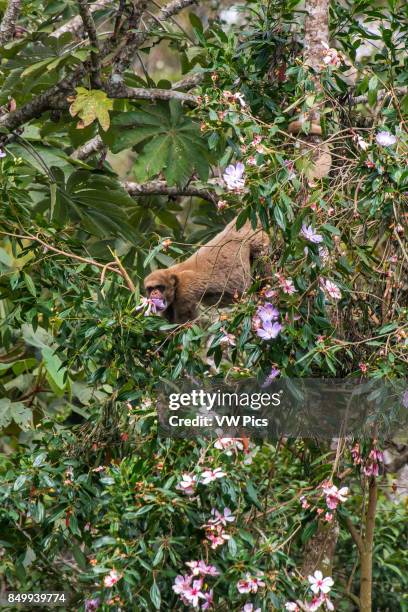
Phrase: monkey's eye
(161, 288)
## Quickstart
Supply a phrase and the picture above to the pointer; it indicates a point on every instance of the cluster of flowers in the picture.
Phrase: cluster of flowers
(214, 529)
(266, 322)
(233, 445)
(333, 497)
(370, 465)
(151, 305)
(190, 586)
(234, 175)
(320, 588)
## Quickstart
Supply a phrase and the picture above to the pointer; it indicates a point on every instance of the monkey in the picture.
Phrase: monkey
(218, 272)
(313, 146)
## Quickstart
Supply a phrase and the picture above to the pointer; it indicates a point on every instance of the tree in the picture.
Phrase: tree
(312, 100)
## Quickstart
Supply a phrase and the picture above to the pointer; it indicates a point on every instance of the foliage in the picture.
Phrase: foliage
(86, 485)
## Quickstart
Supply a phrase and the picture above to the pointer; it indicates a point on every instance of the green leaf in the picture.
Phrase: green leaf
(174, 144)
(155, 596)
(54, 367)
(90, 105)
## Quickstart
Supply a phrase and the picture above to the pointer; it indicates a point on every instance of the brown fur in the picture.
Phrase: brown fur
(213, 275)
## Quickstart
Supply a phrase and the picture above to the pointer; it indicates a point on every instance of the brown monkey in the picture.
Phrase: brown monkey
(217, 272)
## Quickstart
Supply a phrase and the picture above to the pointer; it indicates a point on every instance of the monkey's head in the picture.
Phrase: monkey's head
(161, 285)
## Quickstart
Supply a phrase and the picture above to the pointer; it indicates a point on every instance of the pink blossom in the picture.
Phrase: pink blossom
(331, 57)
(228, 339)
(249, 607)
(274, 373)
(304, 502)
(292, 606)
(269, 330)
(151, 305)
(187, 484)
(334, 496)
(319, 584)
(112, 578)
(330, 288)
(309, 234)
(234, 176)
(290, 167)
(228, 444)
(318, 601)
(200, 568)
(251, 161)
(209, 600)
(210, 475)
(181, 584)
(221, 519)
(286, 284)
(355, 453)
(267, 312)
(216, 535)
(328, 517)
(249, 584)
(193, 593)
(256, 140)
(385, 139)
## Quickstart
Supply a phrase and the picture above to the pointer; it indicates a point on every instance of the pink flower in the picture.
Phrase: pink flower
(334, 496)
(269, 331)
(355, 453)
(221, 204)
(267, 312)
(319, 601)
(319, 584)
(221, 519)
(234, 176)
(328, 517)
(251, 161)
(309, 234)
(210, 475)
(292, 606)
(304, 502)
(209, 600)
(330, 288)
(228, 444)
(228, 339)
(151, 305)
(181, 584)
(2, 153)
(193, 593)
(217, 536)
(363, 367)
(249, 584)
(112, 578)
(256, 140)
(250, 608)
(290, 167)
(199, 568)
(274, 373)
(385, 139)
(286, 284)
(187, 484)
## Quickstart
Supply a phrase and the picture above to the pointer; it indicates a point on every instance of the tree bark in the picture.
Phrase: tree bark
(366, 556)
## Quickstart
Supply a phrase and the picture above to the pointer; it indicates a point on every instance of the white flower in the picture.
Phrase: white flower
(291, 606)
(309, 234)
(234, 176)
(250, 608)
(385, 139)
(210, 475)
(363, 144)
(331, 289)
(187, 484)
(240, 98)
(319, 584)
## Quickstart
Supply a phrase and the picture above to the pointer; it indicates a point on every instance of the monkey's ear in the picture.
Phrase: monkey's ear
(173, 280)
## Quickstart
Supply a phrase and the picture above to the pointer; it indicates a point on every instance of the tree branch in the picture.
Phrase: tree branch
(161, 188)
(383, 93)
(75, 24)
(189, 81)
(358, 540)
(89, 26)
(89, 148)
(139, 93)
(8, 24)
(135, 40)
